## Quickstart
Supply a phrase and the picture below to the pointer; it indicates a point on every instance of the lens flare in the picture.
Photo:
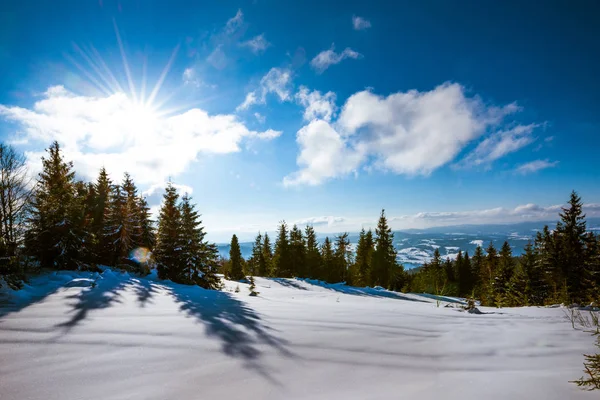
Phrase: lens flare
(141, 255)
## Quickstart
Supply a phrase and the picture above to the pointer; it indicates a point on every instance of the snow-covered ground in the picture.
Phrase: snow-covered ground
(113, 336)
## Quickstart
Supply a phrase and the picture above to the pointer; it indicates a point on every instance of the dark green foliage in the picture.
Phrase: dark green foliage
(267, 256)
(281, 259)
(256, 265)
(591, 380)
(502, 275)
(464, 274)
(54, 224)
(297, 253)
(383, 260)
(571, 235)
(341, 259)
(169, 239)
(236, 271)
(313, 256)
(364, 254)
(252, 287)
(327, 259)
(536, 289)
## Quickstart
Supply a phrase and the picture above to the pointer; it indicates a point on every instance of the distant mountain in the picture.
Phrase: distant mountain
(416, 246)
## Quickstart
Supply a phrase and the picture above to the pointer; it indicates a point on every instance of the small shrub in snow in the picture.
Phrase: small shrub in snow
(591, 379)
(237, 289)
(253, 293)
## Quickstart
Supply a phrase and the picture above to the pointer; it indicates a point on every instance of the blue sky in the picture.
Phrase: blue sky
(318, 112)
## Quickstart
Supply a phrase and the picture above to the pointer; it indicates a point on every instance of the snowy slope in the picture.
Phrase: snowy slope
(112, 336)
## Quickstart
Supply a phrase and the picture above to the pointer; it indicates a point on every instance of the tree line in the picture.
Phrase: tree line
(298, 253)
(561, 265)
(61, 222)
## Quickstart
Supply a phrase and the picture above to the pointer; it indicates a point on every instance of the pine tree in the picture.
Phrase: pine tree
(147, 232)
(167, 253)
(327, 259)
(256, 264)
(465, 279)
(131, 214)
(571, 231)
(281, 258)
(341, 259)
(313, 256)
(436, 273)
(536, 289)
(297, 253)
(477, 270)
(364, 254)
(384, 257)
(592, 370)
(502, 275)
(192, 235)
(490, 266)
(52, 228)
(236, 272)
(103, 188)
(515, 293)
(591, 281)
(116, 233)
(268, 256)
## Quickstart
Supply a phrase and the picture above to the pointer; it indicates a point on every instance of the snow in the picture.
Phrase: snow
(125, 337)
(477, 242)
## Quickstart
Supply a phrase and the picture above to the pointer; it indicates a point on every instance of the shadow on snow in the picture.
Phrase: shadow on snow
(360, 291)
(233, 322)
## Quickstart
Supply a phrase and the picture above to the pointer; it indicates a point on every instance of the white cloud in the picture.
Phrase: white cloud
(324, 155)
(317, 106)
(260, 118)
(327, 58)
(217, 58)
(406, 132)
(360, 23)
(114, 132)
(234, 23)
(500, 144)
(190, 77)
(277, 81)
(319, 221)
(257, 44)
(534, 166)
(521, 213)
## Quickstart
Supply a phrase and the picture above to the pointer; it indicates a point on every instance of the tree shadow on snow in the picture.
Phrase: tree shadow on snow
(288, 283)
(361, 291)
(144, 291)
(237, 326)
(102, 295)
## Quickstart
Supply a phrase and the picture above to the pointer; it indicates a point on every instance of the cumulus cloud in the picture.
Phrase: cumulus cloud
(360, 23)
(406, 133)
(535, 166)
(316, 105)
(277, 81)
(500, 144)
(327, 58)
(114, 132)
(257, 44)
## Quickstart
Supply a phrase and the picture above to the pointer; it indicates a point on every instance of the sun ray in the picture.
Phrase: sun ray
(144, 77)
(91, 77)
(100, 60)
(82, 51)
(162, 77)
(125, 63)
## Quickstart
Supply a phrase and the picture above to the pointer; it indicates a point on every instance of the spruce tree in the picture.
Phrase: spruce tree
(364, 253)
(281, 257)
(327, 259)
(192, 233)
(536, 289)
(477, 270)
(131, 213)
(51, 237)
(103, 188)
(116, 231)
(147, 231)
(571, 231)
(341, 259)
(267, 255)
(236, 271)
(384, 257)
(313, 256)
(167, 253)
(502, 275)
(256, 264)
(297, 253)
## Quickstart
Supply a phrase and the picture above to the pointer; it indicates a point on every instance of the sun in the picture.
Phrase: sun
(141, 107)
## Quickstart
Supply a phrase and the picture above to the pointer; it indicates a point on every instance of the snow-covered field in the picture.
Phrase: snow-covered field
(130, 338)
